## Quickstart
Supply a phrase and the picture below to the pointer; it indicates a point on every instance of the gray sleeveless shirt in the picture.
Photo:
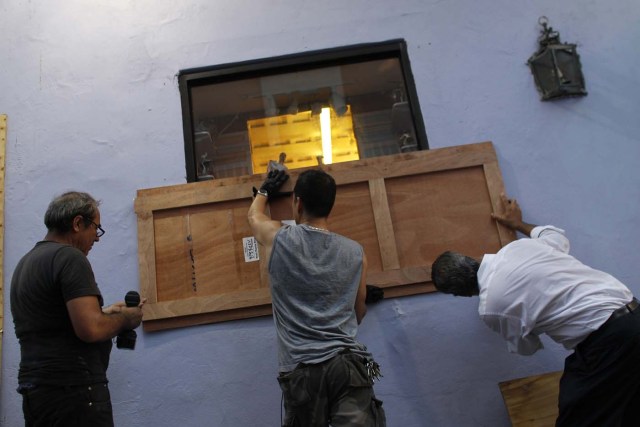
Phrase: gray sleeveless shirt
(314, 277)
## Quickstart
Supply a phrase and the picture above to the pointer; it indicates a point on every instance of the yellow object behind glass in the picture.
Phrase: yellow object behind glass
(299, 136)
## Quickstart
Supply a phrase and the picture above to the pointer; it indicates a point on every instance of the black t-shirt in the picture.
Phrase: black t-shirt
(44, 280)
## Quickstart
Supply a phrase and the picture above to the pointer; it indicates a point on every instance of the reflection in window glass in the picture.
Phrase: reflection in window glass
(327, 114)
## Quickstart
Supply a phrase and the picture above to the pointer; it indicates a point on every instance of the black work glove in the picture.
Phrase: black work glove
(374, 294)
(272, 183)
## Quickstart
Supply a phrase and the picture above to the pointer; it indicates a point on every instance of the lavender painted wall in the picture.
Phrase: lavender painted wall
(93, 104)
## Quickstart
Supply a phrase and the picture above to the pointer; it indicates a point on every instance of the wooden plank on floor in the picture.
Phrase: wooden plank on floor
(532, 401)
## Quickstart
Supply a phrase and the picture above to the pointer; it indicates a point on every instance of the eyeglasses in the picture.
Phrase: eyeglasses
(99, 230)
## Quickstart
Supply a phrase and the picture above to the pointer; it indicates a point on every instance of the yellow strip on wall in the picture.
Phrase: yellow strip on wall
(3, 144)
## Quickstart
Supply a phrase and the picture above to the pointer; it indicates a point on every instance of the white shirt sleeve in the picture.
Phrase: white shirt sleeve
(551, 236)
(514, 333)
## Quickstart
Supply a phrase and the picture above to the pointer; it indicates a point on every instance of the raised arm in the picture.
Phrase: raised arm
(263, 227)
(511, 216)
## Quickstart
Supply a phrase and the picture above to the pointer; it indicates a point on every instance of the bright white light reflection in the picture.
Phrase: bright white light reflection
(325, 129)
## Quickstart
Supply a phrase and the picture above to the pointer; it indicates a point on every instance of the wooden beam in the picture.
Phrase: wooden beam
(3, 144)
(384, 224)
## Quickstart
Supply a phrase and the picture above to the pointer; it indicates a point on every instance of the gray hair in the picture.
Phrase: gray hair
(454, 273)
(64, 208)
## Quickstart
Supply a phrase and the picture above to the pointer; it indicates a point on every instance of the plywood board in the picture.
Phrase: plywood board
(532, 401)
(3, 145)
(403, 209)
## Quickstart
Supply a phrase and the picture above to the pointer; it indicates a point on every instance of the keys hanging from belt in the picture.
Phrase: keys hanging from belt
(373, 371)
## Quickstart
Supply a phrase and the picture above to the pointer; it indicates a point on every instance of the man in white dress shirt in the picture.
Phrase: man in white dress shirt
(533, 286)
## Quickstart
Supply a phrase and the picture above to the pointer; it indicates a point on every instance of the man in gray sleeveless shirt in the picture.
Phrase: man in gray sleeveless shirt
(318, 290)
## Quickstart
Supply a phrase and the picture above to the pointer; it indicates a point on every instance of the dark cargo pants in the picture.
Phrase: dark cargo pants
(337, 392)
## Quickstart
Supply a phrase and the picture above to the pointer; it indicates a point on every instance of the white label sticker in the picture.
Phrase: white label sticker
(250, 245)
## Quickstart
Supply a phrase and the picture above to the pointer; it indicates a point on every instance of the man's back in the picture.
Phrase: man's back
(314, 276)
(533, 286)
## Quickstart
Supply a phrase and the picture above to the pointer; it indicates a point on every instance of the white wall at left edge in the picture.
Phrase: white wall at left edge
(93, 104)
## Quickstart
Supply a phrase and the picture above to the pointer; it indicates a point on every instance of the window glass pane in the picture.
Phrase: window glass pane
(327, 114)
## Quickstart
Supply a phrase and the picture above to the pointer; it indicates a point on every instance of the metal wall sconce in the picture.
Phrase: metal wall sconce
(556, 66)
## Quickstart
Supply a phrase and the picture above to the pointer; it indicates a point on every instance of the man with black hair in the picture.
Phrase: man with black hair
(64, 332)
(533, 286)
(318, 291)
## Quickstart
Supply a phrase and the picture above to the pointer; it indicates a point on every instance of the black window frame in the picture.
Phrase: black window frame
(193, 77)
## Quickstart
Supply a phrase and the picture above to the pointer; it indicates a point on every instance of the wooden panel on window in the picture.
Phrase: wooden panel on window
(404, 209)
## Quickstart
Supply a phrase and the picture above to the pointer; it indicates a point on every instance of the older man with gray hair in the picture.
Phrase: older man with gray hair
(64, 331)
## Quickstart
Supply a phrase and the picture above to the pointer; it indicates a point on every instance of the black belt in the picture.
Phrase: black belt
(624, 310)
